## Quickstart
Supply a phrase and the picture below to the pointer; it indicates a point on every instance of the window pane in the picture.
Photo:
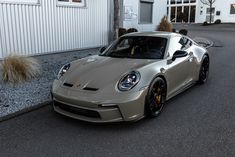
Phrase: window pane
(179, 1)
(173, 14)
(212, 10)
(232, 10)
(77, 1)
(186, 13)
(179, 14)
(172, 1)
(63, 0)
(146, 10)
(192, 13)
(186, 1)
(193, 1)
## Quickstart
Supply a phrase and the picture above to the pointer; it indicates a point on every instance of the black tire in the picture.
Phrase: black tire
(156, 97)
(204, 70)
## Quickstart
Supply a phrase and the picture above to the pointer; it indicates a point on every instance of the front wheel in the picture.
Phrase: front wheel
(204, 70)
(156, 97)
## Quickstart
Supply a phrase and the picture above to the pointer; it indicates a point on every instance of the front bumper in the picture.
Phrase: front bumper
(124, 106)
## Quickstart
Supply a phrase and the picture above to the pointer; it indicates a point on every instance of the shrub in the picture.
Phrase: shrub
(16, 69)
(131, 30)
(218, 21)
(183, 31)
(165, 25)
(121, 32)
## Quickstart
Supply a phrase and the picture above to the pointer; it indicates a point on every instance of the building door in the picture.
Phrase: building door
(183, 14)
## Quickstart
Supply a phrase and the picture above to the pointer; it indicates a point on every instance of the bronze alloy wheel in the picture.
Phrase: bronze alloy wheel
(204, 71)
(156, 97)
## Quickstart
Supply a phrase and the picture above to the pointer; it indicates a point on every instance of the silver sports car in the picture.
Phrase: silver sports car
(130, 79)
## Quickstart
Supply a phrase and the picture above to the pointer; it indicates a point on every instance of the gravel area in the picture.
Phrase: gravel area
(16, 98)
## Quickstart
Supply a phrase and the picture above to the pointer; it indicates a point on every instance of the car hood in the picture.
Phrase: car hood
(97, 72)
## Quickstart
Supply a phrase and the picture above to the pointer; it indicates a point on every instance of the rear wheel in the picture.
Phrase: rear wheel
(156, 97)
(204, 70)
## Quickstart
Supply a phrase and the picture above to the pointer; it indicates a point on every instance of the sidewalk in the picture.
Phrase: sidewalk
(198, 27)
(17, 99)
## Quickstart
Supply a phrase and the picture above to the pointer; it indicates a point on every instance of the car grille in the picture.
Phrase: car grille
(75, 110)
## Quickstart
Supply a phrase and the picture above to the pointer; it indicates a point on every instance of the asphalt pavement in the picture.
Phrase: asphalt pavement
(199, 122)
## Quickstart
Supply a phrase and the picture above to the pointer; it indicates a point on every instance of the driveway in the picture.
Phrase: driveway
(199, 122)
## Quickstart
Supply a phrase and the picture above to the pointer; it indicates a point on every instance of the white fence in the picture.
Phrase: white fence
(29, 29)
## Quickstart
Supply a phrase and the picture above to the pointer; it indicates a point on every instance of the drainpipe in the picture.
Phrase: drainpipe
(116, 18)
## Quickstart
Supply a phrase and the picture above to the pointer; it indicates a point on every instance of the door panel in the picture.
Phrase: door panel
(180, 71)
(178, 74)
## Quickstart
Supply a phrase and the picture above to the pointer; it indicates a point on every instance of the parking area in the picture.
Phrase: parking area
(198, 122)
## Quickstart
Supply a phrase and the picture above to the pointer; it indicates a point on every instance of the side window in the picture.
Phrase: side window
(124, 44)
(186, 43)
(174, 45)
(179, 43)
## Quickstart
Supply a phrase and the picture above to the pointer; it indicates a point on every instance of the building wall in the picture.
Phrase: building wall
(46, 27)
(220, 5)
(201, 10)
(159, 10)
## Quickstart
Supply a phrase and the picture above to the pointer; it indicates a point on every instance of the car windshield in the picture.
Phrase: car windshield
(138, 47)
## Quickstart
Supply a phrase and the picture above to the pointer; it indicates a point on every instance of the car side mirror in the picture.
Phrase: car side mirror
(102, 49)
(179, 54)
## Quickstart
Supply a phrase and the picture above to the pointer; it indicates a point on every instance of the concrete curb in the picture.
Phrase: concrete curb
(211, 44)
(25, 110)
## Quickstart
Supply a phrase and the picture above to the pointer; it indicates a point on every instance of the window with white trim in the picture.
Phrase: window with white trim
(20, 1)
(208, 10)
(78, 3)
(146, 11)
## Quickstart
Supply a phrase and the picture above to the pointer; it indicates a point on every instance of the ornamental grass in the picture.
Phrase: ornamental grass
(165, 25)
(17, 69)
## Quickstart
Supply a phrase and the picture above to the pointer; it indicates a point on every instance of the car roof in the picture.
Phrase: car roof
(153, 34)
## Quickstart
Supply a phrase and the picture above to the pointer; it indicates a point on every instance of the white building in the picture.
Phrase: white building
(29, 27)
(144, 15)
(197, 12)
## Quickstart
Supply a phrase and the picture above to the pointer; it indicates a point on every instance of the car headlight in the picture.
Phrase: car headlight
(63, 70)
(129, 81)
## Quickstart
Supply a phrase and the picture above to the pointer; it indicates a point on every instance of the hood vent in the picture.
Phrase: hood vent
(68, 84)
(90, 89)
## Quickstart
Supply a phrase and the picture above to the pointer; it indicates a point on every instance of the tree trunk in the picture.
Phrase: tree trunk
(116, 19)
(210, 13)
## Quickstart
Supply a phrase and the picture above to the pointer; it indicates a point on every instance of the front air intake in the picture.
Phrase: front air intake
(68, 84)
(90, 89)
